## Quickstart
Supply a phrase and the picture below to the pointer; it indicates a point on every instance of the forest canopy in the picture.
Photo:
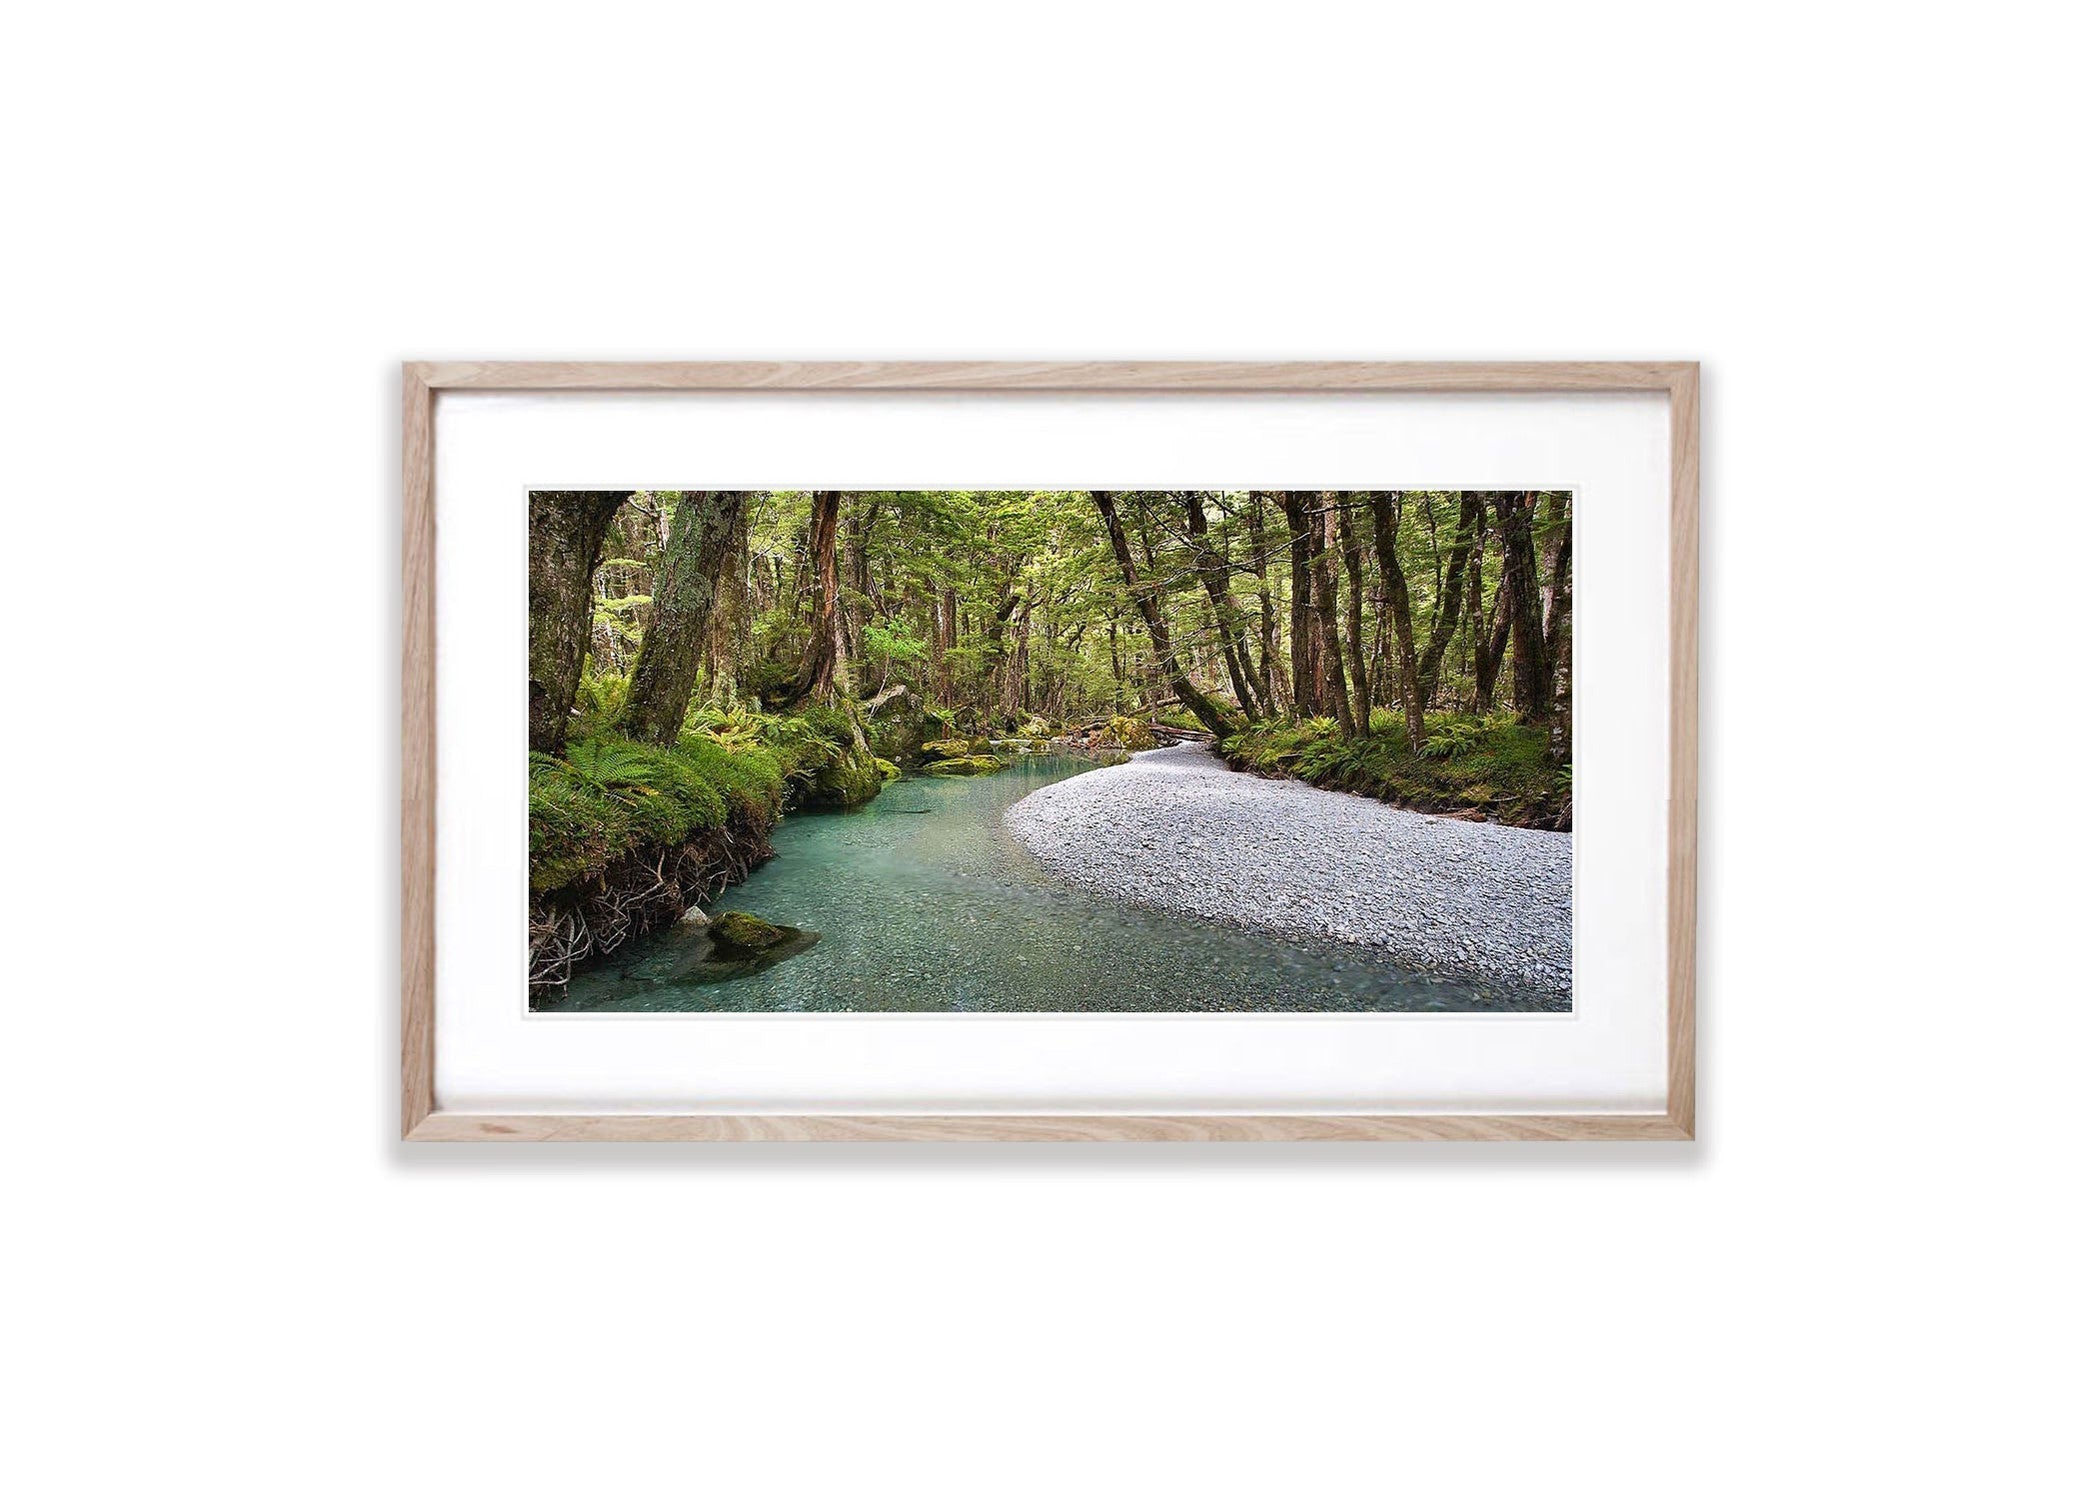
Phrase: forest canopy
(1228, 607)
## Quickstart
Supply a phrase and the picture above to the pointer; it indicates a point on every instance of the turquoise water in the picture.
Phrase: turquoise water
(923, 901)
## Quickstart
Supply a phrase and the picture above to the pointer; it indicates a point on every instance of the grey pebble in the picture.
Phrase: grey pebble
(1177, 829)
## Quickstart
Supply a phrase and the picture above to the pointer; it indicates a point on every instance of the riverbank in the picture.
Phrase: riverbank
(1178, 830)
(626, 836)
(1490, 769)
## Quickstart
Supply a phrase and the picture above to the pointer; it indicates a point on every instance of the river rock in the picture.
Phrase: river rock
(742, 931)
(896, 723)
(965, 765)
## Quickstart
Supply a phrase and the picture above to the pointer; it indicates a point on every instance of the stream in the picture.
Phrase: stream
(923, 901)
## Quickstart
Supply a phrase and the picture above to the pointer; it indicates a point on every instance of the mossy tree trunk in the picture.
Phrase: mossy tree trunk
(728, 632)
(566, 537)
(687, 587)
(824, 665)
(1206, 710)
(998, 686)
(1492, 644)
(1384, 535)
(827, 671)
(1231, 628)
(1530, 669)
(1326, 609)
(1307, 671)
(1272, 684)
(1559, 622)
(1461, 568)
(1358, 667)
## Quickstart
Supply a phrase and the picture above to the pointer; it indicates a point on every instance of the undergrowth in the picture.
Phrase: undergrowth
(1492, 767)
(604, 798)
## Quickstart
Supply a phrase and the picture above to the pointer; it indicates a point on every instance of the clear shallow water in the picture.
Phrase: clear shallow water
(925, 902)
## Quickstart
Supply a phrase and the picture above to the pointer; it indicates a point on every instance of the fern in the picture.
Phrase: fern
(613, 767)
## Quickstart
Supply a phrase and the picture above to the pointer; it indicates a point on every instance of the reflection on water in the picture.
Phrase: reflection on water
(923, 901)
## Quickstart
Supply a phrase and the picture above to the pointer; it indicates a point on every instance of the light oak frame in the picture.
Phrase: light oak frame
(420, 384)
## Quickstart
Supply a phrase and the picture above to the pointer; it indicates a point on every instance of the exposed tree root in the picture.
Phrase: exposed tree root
(594, 916)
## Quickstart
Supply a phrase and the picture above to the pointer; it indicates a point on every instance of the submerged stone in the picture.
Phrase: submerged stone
(743, 930)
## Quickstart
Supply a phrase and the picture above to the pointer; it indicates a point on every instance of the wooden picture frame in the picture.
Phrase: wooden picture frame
(421, 1120)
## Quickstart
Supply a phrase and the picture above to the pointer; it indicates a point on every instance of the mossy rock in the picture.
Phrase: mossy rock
(945, 749)
(845, 782)
(980, 746)
(966, 765)
(743, 931)
(896, 719)
(887, 769)
(694, 954)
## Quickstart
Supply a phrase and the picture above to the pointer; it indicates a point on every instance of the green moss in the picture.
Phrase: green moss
(1492, 765)
(966, 765)
(845, 782)
(605, 797)
(945, 749)
(887, 769)
(743, 930)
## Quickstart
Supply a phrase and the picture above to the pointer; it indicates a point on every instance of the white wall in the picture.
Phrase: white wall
(232, 222)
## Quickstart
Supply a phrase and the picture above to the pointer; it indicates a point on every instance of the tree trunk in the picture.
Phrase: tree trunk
(1307, 674)
(1487, 652)
(1530, 669)
(1206, 711)
(687, 585)
(566, 533)
(729, 633)
(1462, 567)
(858, 609)
(996, 687)
(1559, 622)
(1352, 557)
(1325, 591)
(1559, 599)
(824, 668)
(1384, 525)
(1013, 694)
(1271, 645)
(1231, 632)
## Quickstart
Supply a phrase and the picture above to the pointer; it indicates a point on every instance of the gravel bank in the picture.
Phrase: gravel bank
(1178, 830)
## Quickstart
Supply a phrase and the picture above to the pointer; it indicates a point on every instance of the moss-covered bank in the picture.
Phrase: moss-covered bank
(1491, 768)
(627, 836)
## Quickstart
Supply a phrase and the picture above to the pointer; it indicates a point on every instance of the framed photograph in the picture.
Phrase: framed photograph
(1138, 751)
